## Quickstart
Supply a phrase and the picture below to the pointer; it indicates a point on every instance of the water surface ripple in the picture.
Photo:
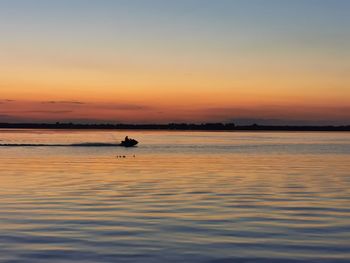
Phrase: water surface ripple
(178, 197)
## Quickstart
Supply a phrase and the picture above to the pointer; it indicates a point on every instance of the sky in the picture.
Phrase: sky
(161, 61)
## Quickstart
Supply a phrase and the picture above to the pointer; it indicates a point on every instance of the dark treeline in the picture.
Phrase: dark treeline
(173, 126)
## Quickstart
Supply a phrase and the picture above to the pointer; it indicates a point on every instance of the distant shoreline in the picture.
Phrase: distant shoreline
(172, 127)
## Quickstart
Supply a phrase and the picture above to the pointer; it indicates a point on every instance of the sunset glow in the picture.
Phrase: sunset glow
(184, 61)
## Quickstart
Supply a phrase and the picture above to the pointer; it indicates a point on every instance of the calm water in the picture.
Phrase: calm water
(184, 197)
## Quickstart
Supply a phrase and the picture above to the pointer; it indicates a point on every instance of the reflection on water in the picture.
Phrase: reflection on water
(184, 197)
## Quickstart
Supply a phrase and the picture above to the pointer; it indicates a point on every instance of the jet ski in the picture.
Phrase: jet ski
(128, 142)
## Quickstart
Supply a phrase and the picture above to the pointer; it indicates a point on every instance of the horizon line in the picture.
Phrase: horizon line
(176, 126)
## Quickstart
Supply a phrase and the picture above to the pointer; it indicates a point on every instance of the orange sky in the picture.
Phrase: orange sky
(99, 64)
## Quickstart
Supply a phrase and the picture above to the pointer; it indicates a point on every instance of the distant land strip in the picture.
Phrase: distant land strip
(172, 126)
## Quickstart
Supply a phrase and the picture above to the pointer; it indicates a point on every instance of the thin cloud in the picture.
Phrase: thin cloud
(50, 111)
(126, 107)
(5, 116)
(73, 102)
(100, 106)
(6, 101)
(10, 118)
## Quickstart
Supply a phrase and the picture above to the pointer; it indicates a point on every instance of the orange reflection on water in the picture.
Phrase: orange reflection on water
(181, 189)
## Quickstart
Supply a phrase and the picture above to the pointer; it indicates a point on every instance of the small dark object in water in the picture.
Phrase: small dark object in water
(129, 142)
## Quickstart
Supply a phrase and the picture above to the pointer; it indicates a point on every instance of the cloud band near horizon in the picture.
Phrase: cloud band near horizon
(166, 61)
